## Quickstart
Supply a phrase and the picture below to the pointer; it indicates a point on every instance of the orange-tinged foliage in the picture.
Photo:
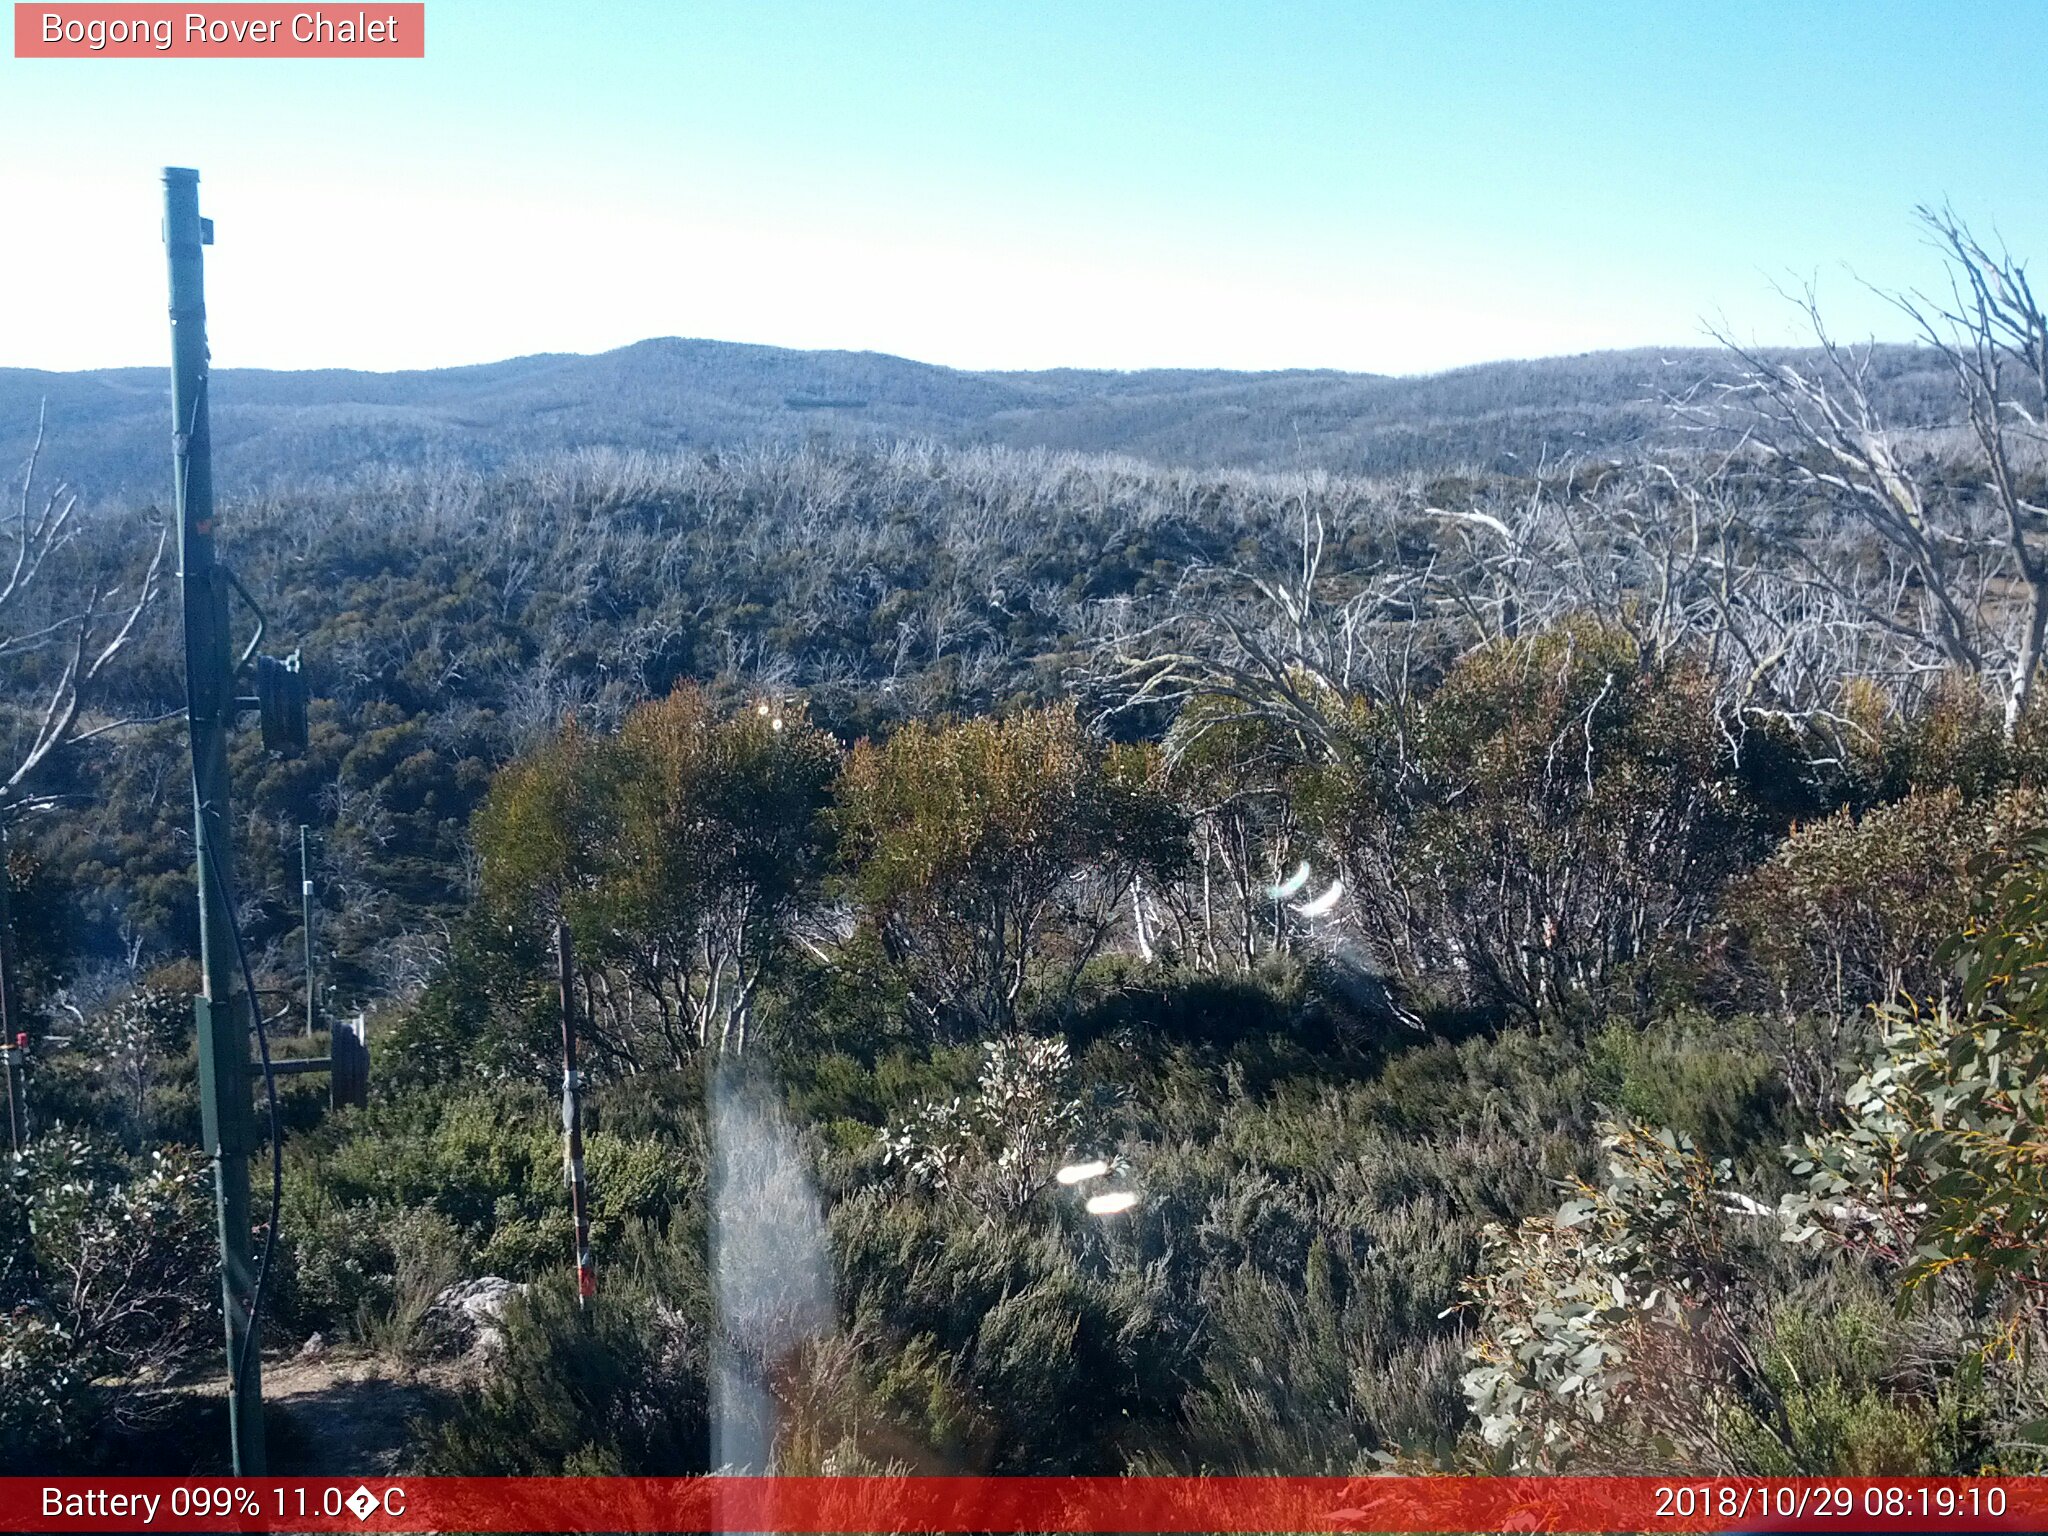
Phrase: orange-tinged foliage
(981, 848)
(681, 851)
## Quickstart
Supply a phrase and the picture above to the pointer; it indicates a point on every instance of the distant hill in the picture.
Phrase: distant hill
(110, 428)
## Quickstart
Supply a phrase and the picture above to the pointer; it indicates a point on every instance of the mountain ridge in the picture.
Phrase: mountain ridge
(107, 428)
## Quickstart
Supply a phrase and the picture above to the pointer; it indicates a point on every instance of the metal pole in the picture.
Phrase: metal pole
(222, 1012)
(12, 1038)
(306, 927)
(9, 1026)
(9, 1050)
(572, 1116)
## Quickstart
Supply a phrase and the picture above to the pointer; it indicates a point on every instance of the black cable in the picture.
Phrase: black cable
(220, 886)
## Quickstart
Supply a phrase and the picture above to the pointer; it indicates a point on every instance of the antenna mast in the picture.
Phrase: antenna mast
(222, 1010)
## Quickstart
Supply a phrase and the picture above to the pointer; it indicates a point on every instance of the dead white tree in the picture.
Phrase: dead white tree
(83, 629)
(1991, 332)
(1687, 556)
(1961, 549)
(1291, 652)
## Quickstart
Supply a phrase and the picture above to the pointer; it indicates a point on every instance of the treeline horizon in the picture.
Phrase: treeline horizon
(273, 429)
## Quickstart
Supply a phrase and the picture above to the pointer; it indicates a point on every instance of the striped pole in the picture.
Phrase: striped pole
(572, 1116)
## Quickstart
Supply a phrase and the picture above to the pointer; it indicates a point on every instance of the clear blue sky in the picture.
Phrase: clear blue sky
(1387, 187)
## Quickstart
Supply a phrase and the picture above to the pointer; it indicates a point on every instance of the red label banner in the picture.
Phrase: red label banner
(238, 31)
(1020, 1504)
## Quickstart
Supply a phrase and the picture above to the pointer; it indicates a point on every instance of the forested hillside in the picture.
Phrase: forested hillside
(660, 395)
(1084, 965)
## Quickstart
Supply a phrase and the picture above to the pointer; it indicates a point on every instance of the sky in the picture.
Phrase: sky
(1385, 187)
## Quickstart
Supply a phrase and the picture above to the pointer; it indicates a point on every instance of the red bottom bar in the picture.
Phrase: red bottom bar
(808, 1505)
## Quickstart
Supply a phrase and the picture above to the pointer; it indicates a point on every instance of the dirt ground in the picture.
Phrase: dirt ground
(341, 1413)
(351, 1414)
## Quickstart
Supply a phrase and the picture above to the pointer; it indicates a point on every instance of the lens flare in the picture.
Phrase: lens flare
(1324, 902)
(1291, 885)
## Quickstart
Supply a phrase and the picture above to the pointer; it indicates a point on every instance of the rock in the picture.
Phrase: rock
(481, 1300)
(471, 1311)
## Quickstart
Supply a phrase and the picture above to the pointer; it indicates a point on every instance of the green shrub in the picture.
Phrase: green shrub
(1712, 1080)
(1854, 1390)
(989, 854)
(1849, 911)
(1317, 1378)
(616, 1388)
(1941, 1166)
(331, 1264)
(1043, 1351)
(47, 1402)
(427, 1256)
(1189, 1007)
(109, 1282)
(1544, 828)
